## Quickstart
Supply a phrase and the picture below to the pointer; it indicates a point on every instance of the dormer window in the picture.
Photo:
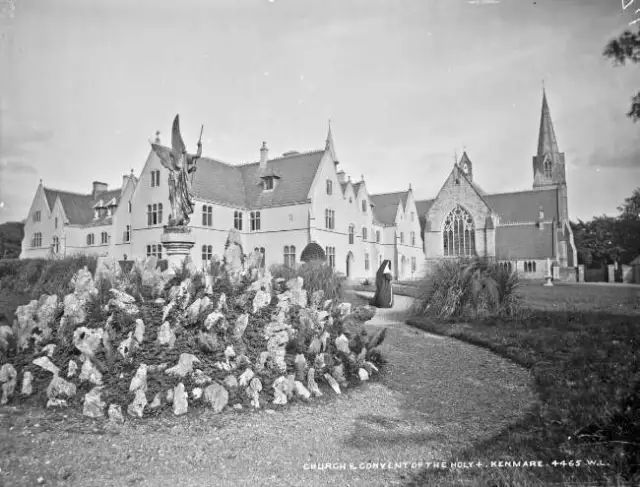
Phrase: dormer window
(364, 206)
(268, 183)
(329, 186)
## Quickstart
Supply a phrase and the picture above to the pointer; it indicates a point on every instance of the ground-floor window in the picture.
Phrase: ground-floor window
(264, 256)
(413, 264)
(56, 245)
(506, 266)
(207, 255)
(154, 251)
(530, 266)
(366, 261)
(36, 239)
(290, 256)
(331, 256)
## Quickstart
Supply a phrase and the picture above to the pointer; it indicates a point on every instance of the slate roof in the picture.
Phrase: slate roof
(523, 206)
(524, 242)
(79, 207)
(386, 206)
(241, 185)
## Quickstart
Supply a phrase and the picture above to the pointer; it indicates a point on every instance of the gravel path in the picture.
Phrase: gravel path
(438, 396)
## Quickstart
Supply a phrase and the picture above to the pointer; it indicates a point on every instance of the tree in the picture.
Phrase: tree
(606, 239)
(11, 234)
(626, 48)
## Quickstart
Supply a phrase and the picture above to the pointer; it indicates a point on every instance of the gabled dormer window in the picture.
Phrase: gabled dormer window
(37, 216)
(364, 206)
(268, 183)
(329, 186)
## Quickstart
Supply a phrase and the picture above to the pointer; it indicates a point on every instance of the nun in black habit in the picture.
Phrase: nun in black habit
(384, 294)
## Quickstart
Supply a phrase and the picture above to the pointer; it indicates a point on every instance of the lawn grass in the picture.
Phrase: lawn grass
(581, 345)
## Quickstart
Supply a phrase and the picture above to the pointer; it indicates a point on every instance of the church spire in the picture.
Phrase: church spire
(330, 146)
(547, 142)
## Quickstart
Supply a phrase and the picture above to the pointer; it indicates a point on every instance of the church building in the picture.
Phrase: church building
(519, 229)
(282, 204)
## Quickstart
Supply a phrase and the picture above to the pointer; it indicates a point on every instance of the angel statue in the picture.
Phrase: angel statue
(180, 165)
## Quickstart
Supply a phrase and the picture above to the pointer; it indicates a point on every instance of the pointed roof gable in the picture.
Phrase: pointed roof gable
(547, 142)
(79, 207)
(330, 146)
(386, 206)
(464, 158)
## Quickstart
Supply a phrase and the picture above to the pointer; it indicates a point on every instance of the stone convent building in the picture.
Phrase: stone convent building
(281, 204)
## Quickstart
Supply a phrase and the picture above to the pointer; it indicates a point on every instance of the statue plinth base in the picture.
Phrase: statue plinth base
(549, 281)
(177, 243)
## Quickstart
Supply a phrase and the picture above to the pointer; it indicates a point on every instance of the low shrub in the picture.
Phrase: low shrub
(43, 276)
(468, 287)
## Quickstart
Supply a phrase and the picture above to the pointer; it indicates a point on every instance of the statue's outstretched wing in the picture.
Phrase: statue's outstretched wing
(164, 155)
(177, 144)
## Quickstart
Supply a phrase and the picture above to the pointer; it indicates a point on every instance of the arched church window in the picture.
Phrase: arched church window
(548, 173)
(459, 234)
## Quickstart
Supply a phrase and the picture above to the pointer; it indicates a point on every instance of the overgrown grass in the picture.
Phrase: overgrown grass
(587, 375)
(468, 288)
(317, 275)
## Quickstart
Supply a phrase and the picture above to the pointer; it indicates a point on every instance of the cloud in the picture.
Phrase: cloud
(18, 141)
(616, 156)
(16, 168)
(483, 2)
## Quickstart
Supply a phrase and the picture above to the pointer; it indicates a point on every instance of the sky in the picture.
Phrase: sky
(406, 84)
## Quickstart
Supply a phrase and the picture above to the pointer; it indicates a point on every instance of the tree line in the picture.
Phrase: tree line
(605, 239)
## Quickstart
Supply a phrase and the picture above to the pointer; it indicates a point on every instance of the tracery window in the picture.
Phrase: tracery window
(459, 234)
(548, 173)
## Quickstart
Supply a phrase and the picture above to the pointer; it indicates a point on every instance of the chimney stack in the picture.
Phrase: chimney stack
(99, 188)
(342, 177)
(264, 156)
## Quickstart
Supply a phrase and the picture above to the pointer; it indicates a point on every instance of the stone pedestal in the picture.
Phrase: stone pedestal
(548, 277)
(580, 275)
(611, 276)
(177, 243)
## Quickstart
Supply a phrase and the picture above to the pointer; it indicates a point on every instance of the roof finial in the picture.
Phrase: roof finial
(409, 186)
(455, 157)
(543, 85)
(157, 137)
(40, 181)
(361, 177)
(131, 172)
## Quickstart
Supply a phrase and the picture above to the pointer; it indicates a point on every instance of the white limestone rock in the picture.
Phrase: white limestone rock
(88, 340)
(49, 349)
(139, 380)
(138, 334)
(73, 368)
(363, 374)
(332, 382)
(213, 319)
(89, 372)
(302, 391)
(342, 344)
(230, 382)
(27, 384)
(46, 364)
(261, 299)
(196, 393)
(166, 336)
(184, 366)
(136, 408)
(240, 326)
(8, 379)
(216, 396)
(279, 389)
(93, 405)
(180, 400)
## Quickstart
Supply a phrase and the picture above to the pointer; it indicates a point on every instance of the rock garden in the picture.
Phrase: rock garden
(146, 342)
